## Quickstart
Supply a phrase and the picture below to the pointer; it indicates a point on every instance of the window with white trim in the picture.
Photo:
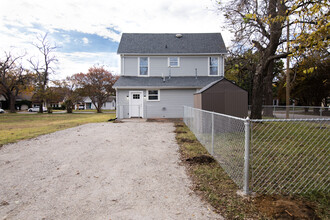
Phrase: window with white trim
(143, 66)
(173, 62)
(153, 95)
(214, 66)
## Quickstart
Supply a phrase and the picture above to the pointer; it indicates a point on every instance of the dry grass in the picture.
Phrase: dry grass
(210, 180)
(14, 127)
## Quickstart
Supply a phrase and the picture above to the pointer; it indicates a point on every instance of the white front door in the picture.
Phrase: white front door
(135, 104)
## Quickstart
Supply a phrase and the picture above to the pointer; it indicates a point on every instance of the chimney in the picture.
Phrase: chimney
(169, 73)
(196, 73)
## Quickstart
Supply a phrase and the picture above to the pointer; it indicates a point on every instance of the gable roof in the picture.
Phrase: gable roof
(158, 82)
(208, 86)
(215, 82)
(199, 43)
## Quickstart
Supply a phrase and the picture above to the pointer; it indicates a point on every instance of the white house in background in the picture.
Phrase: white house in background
(86, 104)
(161, 72)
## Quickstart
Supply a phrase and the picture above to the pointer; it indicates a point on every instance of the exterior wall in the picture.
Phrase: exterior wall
(129, 66)
(227, 98)
(170, 105)
(198, 101)
(159, 66)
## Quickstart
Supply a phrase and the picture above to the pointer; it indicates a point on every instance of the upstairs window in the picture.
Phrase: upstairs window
(153, 95)
(214, 66)
(143, 66)
(173, 62)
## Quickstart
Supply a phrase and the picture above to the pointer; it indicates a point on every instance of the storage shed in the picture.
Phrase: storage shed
(224, 97)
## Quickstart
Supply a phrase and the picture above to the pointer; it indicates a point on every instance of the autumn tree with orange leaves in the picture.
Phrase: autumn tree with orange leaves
(97, 85)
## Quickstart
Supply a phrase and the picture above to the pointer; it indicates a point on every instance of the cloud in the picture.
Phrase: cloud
(81, 61)
(85, 40)
(86, 30)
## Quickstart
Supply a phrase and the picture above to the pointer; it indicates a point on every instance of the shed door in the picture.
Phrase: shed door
(136, 104)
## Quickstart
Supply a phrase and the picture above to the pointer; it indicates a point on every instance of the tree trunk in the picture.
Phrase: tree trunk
(12, 102)
(268, 90)
(99, 108)
(69, 106)
(256, 107)
(41, 110)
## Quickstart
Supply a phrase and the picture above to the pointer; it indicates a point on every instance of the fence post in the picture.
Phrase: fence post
(246, 156)
(212, 150)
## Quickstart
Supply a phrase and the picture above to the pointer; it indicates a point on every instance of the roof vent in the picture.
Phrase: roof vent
(178, 35)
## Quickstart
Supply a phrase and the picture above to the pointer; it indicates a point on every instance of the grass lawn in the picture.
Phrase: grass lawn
(94, 110)
(14, 127)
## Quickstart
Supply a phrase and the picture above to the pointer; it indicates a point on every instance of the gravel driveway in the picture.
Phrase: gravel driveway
(98, 171)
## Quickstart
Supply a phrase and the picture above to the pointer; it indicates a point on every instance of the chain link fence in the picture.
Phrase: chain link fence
(290, 156)
(266, 156)
(295, 112)
(223, 136)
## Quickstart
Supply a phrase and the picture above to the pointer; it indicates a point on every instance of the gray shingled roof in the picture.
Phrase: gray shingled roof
(201, 43)
(158, 82)
(208, 86)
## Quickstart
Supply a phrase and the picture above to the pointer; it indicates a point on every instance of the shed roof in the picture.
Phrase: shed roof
(188, 43)
(159, 82)
(215, 82)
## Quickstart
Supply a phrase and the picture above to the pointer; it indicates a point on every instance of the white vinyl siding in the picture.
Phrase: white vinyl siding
(159, 66)
(170, 105)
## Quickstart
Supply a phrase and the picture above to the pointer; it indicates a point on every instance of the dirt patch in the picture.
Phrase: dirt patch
(280, 207)
(117, 121)
(186, 140)
(164, 120)
(201, 159)
(3, 203)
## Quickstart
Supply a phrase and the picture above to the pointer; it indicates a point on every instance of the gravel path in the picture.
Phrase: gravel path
(98, 171)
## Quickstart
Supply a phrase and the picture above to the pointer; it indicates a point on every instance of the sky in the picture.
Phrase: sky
(87, 33)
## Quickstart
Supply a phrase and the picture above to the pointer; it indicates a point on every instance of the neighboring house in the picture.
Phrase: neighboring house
(23, 101)
(86, 104)
(161, 72)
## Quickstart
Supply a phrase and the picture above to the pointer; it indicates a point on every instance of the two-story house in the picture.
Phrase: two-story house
(161, 72)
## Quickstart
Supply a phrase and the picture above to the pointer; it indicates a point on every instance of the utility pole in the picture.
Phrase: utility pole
(287, 90)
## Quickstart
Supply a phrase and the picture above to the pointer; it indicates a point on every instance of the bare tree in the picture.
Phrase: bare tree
(12, 78)
(43, 68)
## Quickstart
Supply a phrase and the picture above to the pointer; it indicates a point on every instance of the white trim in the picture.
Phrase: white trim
(123, 66)
(139, 66)
(129, 103)
(208, 66)
(223, 66)
(172, 54)
(152, 100)
(168, 61)
(116, 106)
